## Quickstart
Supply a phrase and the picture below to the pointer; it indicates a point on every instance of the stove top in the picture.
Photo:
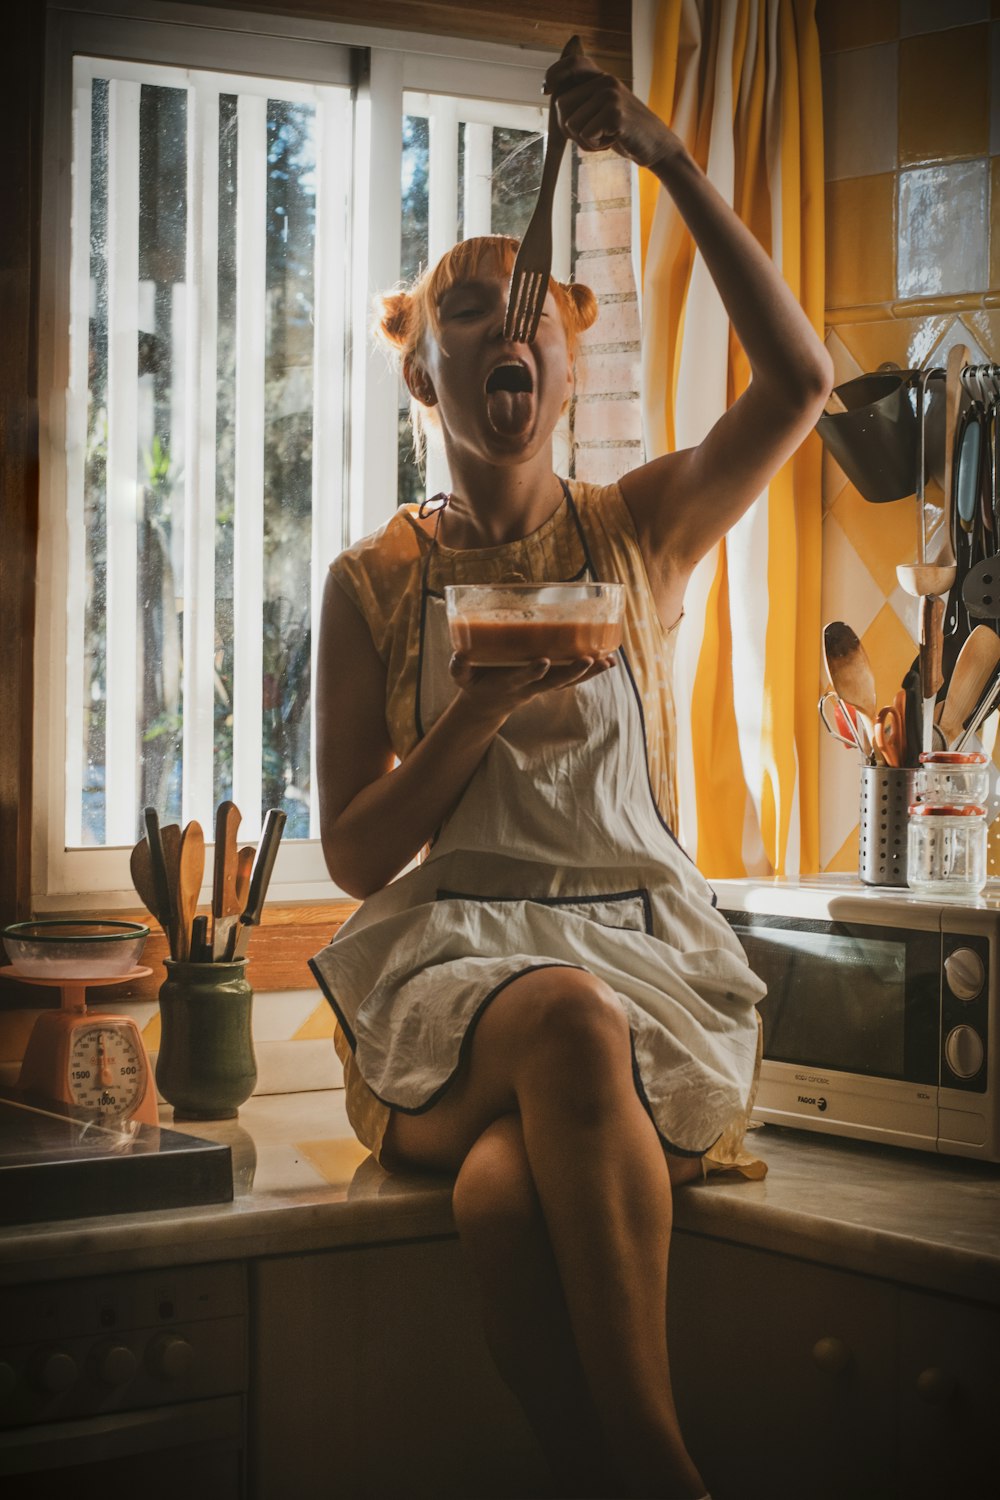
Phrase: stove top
(57, 1164)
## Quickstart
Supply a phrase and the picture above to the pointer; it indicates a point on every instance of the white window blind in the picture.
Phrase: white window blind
(219, 425)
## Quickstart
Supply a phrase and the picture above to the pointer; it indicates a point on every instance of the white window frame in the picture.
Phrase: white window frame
(307, 53)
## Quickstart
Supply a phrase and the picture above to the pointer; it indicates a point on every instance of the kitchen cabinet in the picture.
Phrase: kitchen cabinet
(793, 1378)
(371, 1378)
(835, 1325)
(949, 1398)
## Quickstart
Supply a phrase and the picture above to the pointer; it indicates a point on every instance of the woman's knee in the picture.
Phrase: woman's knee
(571, 1018)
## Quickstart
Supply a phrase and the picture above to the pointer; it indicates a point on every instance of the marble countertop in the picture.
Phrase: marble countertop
(302, 1183)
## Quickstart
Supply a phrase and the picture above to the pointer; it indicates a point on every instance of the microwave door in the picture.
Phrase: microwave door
(851, 1024)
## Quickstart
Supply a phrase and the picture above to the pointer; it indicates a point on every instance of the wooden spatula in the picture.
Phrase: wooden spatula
(190, 871)
(141, 867)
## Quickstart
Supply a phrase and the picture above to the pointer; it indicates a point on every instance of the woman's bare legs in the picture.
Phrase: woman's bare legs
(553, 1048)
(524, 1311)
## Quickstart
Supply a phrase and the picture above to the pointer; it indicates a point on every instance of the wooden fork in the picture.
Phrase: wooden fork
(529, 281)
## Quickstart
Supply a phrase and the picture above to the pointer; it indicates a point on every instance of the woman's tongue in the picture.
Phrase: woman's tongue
(509, 412)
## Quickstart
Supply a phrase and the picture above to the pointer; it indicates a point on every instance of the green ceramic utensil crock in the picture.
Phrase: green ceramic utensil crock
(206, 1066)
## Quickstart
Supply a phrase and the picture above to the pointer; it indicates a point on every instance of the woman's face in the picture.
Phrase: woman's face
(495, 398)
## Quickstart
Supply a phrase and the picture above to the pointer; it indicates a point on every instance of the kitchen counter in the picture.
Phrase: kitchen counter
(302, 1183)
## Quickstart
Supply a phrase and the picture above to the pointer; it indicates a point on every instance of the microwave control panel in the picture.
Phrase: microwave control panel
(965, 1007)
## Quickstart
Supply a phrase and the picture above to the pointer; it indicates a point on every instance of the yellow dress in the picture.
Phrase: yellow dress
(384, 577)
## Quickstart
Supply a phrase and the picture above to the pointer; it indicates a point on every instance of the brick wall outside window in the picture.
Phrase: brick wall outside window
(605, 416)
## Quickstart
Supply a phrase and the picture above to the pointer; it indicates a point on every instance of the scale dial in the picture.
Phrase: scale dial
(106, 1068)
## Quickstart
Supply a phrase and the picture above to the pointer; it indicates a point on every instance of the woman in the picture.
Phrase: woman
(548, 1005)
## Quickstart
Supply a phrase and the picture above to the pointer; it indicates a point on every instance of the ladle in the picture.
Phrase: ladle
(923, 578)
(976, 663)
(850, 671)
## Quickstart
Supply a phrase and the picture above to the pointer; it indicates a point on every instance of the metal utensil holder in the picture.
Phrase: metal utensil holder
(886, 794)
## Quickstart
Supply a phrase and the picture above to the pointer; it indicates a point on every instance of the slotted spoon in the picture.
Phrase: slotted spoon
(529, 281)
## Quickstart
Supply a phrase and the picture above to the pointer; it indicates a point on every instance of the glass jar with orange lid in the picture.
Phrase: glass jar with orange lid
(946, 850)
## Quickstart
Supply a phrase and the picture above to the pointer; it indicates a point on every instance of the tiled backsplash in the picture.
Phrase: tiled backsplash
(911, 98)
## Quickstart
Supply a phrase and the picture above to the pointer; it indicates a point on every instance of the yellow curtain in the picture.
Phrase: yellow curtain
(739, 81)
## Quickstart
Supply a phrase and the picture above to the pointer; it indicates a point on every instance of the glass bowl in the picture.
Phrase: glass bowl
(512, 624)
(74, 948)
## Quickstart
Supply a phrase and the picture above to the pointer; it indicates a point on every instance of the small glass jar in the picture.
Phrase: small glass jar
(952, 777)
(946, 850)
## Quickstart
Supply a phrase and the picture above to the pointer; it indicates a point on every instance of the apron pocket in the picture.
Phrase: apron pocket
(629, 911)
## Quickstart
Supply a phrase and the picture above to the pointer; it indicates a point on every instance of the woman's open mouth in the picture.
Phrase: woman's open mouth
(510, 391)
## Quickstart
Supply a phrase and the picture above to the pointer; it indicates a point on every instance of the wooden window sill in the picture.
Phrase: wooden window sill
(277, 958)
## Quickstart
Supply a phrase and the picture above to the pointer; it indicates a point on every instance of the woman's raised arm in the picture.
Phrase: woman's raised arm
(683, 502)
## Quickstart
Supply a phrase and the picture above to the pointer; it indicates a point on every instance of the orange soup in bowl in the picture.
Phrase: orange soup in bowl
(509, 625)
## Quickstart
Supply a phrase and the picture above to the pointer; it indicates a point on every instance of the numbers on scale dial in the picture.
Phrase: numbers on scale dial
(107, 1071)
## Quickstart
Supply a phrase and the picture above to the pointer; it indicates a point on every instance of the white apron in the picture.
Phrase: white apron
(556, 854)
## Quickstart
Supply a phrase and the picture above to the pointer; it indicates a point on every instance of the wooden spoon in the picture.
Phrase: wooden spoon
(976, 663)
(849, 668)
(190, 872)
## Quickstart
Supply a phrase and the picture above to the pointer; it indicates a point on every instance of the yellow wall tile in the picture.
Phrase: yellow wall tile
(941, 223)
(848, 23)
(860, 264)
(890, 649)
(318, 1025)
(845, 861)
(860, 111)
(985, 326)
(905, 342)
(882, 535)
(944, 86)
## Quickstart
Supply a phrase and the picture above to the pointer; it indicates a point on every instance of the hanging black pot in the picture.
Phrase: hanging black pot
(876, 439)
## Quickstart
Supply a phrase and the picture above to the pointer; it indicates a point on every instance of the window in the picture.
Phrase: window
(223, 199)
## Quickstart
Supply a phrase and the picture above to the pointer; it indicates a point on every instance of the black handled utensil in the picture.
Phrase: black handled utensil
(260, 879)
(166, 909)
(226, 905)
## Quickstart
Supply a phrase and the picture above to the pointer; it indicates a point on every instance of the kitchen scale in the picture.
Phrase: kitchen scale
(94, 1061)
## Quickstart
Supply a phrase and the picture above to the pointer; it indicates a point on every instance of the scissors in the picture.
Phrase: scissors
(839, 721)
(889, 736)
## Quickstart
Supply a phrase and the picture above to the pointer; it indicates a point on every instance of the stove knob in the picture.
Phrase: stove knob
(170, 1357)
(53, 1372)
(116, 1364)
(964, 971)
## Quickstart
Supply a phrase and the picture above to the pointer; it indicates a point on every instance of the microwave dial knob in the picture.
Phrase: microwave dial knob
(964, 1052)
(964, 971)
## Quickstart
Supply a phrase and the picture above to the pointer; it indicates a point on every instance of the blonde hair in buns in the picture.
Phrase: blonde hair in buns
(404, 315)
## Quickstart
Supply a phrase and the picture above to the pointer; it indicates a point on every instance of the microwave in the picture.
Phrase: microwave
(882, 1011)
